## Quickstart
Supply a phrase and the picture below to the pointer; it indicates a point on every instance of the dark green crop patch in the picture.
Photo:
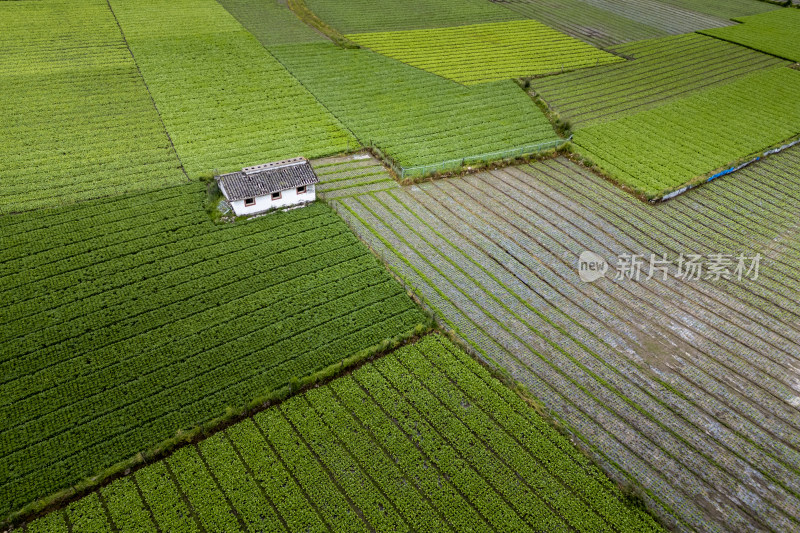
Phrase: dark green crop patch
(125, 321)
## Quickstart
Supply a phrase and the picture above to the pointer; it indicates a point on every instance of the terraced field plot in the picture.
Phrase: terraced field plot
(659, 71)
(583, 21)
(726, 10)
(775, 33)
(351, 175)
(271, 22)
(606, 23)
(423, 439)
(660, 150)
(415, 117)
(684, 388)
(78, 121)
(486, 52)
(225, 101)
(127, 319)
(356, 16)
(666, 17)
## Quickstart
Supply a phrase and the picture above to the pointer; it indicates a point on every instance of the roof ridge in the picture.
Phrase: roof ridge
(267, 179)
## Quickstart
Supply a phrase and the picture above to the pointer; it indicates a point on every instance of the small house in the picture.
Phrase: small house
(269, 186)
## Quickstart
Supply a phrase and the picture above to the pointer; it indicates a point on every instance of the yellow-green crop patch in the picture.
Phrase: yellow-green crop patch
(486, 52)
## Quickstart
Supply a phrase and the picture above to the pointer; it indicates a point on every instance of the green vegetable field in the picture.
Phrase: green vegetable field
(399, 265)
(727, 10)
(660, 70)
(583, 21)
(607, 23)
(134, 318)
(357, 16)
(664, 16)
(680, 387)
(224, 99)
(662, 149)
(423, 439)
(486, 52)
(407, 106)
(78, 121)
(271, 22)
(774, 33)
(351, 175)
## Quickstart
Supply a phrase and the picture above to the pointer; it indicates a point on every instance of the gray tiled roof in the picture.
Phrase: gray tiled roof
(266, 179)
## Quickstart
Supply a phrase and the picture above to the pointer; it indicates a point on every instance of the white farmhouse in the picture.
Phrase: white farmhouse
(269, 186)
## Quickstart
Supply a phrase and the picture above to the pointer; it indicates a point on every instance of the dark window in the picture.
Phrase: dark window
(301, 190)
(276, 196)
(249, 201)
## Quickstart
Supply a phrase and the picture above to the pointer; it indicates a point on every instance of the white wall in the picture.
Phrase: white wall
(264, 203)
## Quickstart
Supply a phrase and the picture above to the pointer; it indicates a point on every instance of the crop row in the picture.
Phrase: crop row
(78, 120)
(163, 320)
(423, 439)
(694, 224)
(406, 121)
(498, 268)
(486, 52)
(661, 70)
(662, 149)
